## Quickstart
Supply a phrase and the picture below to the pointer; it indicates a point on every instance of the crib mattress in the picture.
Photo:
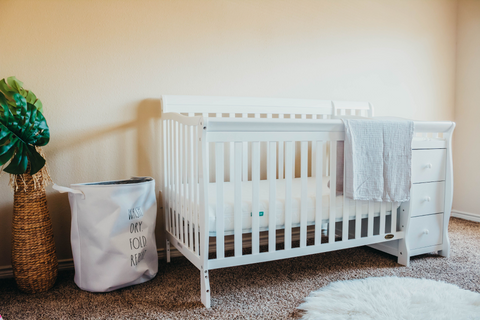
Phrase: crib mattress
(264, 195)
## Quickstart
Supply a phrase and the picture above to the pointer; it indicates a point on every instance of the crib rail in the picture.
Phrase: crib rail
(291, 149)
(201, 150)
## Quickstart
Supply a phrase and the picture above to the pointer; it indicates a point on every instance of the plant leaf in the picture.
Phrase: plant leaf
(3, 100)
(19, 162)
(31, 97)
(7, 91)
(38, 104)
(6, 156)
(20, 132)
(15, 83)
(20, 101)
(36, 160)
(12, 86)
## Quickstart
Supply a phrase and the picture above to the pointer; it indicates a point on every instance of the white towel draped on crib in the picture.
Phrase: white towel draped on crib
(378, 156)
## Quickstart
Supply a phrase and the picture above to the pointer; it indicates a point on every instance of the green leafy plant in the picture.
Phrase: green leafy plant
(22, 128)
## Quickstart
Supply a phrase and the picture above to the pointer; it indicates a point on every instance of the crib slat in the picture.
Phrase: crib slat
(382, 218)
(304, 193)
(218, 115)
(326, 161)
(255, 200)
(346, 209)
(232, 162)
(238, 199)
(394, 217)
(179, 181)
(314, 153)
(231, 166)
(293, 158)
(245, 155)
(370, 218)
(280, 159)
(288, 194)
(333, 192)
(184, 214)
(319, 192)
(280, 153)
(358, 219)
(219, 178)
(172, 177)
(196, 202)
(184, 221)
(272, 213)
(190, 204)
(177, 231)
(166, 152)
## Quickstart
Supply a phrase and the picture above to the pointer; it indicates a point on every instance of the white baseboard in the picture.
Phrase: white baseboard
(466, 215)
(67, 264)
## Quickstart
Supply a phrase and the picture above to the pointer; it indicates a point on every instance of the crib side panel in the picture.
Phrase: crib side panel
(182, 190)
(274, 217)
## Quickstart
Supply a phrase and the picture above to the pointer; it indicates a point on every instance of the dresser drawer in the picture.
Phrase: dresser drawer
(428, 165)
(427, 198)
(425, 231)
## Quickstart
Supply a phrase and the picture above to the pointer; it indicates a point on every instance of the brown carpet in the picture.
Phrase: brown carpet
(269, 290)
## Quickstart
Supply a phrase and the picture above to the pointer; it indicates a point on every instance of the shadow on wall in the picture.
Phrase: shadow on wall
(129, 149)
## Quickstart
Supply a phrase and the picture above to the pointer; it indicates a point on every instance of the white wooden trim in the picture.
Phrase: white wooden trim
(215, 104)
(298, 252)
(466, 215)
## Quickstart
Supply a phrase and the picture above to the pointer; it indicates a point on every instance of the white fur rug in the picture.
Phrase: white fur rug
(390, 298)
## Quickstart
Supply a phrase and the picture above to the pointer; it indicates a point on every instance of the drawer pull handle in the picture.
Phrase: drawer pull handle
(426, 231)
(427, 199)
(429, 166)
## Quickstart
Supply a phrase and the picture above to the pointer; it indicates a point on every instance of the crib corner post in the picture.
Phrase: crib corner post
(404, 212)
(403, 253)
(205, 287)
(167, 250)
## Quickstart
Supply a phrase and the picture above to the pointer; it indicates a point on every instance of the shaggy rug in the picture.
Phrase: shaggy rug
(391, 298)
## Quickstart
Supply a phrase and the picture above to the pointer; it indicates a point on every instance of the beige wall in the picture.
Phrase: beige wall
(467, 109)
(100, 66)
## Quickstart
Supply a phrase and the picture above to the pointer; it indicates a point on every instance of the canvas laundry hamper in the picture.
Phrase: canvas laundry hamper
(113, 233)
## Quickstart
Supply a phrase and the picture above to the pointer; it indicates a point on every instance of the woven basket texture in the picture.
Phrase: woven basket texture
(34, 260)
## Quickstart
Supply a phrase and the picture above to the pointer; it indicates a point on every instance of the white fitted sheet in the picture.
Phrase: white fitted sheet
(228, 206)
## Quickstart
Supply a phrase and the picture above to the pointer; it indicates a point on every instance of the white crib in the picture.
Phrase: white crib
(250, 180)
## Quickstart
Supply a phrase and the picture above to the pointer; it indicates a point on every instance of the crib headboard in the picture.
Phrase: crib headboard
(216, 106)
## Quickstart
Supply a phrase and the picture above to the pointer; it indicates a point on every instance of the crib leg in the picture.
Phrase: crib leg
(167, 250)
(205, 287)
(403, 253)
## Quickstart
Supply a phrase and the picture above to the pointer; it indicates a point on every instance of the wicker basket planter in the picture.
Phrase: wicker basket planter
(34, 260)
